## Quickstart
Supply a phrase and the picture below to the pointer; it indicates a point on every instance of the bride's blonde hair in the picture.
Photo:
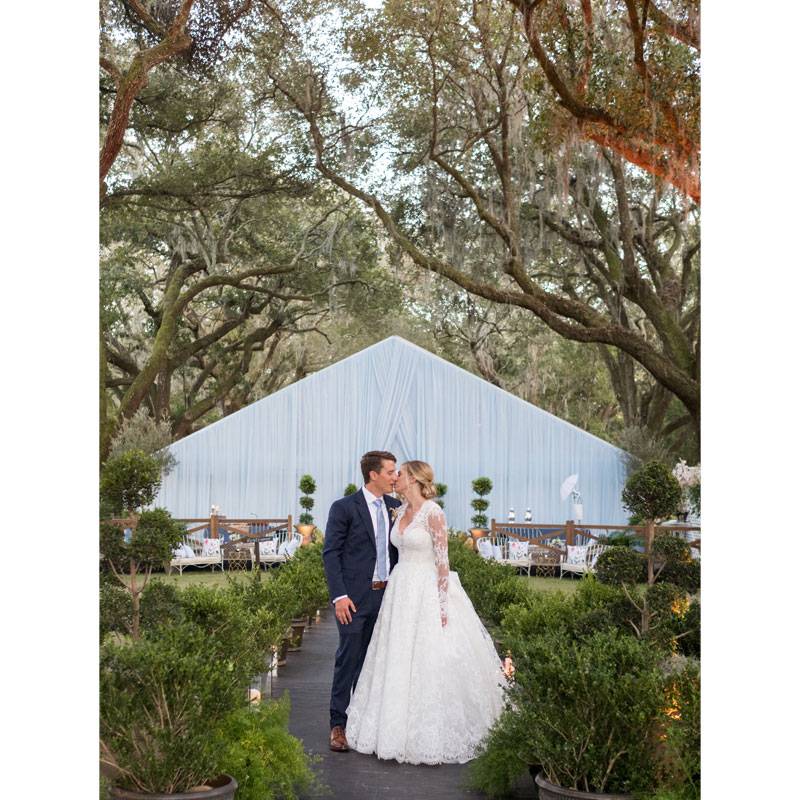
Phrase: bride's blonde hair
(423, 474)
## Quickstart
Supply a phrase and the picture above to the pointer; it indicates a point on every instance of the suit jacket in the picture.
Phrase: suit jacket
(349, 553)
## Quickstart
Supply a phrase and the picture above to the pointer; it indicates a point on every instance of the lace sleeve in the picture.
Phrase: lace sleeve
(437, 527)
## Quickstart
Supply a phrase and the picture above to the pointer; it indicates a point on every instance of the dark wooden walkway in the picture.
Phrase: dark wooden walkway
(354, 776)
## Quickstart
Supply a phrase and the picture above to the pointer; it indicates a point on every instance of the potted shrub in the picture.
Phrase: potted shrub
(481, 487)
(162, 693)
(307, 486)
(268, 762)
(158, 698)
(351, 488)
(586, 711)
(441, 491)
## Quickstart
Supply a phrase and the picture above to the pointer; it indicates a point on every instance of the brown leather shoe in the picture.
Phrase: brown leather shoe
(339, 740)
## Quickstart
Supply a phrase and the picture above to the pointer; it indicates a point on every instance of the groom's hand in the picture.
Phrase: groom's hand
(343, 607)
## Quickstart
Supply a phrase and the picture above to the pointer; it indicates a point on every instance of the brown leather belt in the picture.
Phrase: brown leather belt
(379, 584)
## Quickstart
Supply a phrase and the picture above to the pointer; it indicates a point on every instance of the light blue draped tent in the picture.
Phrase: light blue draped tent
(393, 396)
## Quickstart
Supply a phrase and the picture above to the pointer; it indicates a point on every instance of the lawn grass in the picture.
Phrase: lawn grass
(539, 584)
(203, 577)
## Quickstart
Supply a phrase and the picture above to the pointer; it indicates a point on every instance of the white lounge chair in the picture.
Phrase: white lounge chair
(581, 559)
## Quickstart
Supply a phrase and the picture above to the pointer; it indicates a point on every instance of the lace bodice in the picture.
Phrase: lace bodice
(425, 538)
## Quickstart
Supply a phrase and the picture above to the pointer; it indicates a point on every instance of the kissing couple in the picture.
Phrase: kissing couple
(416, 677)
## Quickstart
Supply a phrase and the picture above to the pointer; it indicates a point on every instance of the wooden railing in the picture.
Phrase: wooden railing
(542, 534)
(242, 528)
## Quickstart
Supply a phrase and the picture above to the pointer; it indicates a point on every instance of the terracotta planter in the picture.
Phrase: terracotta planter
(477, 533)
(305, 531)
(549, 791)
(224, 786)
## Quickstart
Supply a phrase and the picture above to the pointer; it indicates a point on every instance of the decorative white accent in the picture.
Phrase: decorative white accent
(485, 548)
(576, 554)
(427, 693)
(210, 547)
(517, 550)
(268, 547)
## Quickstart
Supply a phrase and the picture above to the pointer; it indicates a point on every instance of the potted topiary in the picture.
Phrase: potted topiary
(306, 526)
(481, 487)
(128, 482)
(162, 694)
(441, 491)
(351, 488)
(587, 711)
(158, 698)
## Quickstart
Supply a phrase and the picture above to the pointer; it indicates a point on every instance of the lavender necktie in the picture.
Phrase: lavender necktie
(380, 540)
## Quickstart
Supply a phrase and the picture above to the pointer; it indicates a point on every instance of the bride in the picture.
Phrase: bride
(432, 684)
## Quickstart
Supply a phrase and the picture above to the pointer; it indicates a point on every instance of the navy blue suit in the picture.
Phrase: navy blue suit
(349, 556)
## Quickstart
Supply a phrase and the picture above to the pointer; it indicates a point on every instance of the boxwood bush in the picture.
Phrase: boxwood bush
(618, 565)
(586, 710)
(269, 763)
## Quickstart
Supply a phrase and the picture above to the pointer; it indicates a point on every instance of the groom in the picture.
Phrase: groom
(358, 558)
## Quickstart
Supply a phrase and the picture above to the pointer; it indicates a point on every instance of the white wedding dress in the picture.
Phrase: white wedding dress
(426, 694)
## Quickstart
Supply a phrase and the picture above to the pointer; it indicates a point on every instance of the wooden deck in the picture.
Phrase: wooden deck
(354, 776)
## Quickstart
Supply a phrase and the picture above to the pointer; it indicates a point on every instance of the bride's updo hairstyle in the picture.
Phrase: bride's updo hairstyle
(423, 474)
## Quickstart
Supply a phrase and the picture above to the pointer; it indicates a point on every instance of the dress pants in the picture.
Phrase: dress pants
(354, 639)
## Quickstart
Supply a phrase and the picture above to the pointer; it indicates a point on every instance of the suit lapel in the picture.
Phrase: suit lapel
(366, 518)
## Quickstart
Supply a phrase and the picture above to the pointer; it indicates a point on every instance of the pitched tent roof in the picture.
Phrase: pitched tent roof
(393, 396)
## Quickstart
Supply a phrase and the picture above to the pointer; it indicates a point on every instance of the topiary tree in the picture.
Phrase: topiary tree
(152, 541)
(129, 481)
(351, 488)
(481, 487)
(307, 486)
(441, 491)
(652, 493)
(618, 565)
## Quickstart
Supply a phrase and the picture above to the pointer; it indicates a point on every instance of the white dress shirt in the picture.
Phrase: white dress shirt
(373, 513)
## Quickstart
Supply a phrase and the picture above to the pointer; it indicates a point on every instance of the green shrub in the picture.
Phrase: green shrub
(441, 491)
(498, 764)
(673, 557)
(683, 732)
(258, 750)
(151, 545)
(159, 697)
(234, 635)
(618, 565)
(687, 630)
(622, 539)
(588, 710)
(115, 609)
(271, 600)
(498, 596)
(160, 605)
(593, 606)
(652, 492)
(305, 573)
(351, 488)
(481, 487)
(307, 486)
(130, 481)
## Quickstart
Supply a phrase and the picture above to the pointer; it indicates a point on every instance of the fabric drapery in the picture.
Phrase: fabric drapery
(393, 396)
